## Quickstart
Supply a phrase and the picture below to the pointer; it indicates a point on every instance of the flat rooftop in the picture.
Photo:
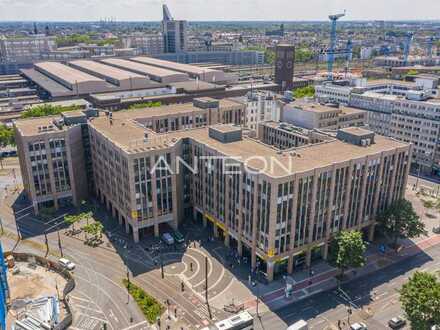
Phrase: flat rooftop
(286, 127)
(129, 136)
(30, 126)
(356, 131)
(106, 70)
(64, 103)
(55, 89)
(165, 110)
(144, 69)
(313, 106)
(188, 68)
(350, 110)
(66, 73)
(192, 86)
(377, 82)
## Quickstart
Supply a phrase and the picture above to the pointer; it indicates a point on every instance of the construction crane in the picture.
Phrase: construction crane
(348, 56)
(407, 47)
(332, 46)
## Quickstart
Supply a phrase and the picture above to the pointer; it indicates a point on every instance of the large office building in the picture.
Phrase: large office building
(147, 44)
(407, 111)
(153, 169)
(261, 106)
(234, 57)
(173, 32)
(310, 114)
(22, 50)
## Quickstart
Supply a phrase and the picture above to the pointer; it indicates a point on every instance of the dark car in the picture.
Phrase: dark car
(396, 322)
(178, 237)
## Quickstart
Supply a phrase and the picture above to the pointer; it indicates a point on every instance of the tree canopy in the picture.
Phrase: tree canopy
(47, 110)
(149, 104)
(303, 54)
(400, 220)
(348, 250)
(308, 91)
(76, 38)
(7, 136)
(420, 298)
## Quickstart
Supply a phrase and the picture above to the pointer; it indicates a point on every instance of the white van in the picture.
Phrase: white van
(168, 239)
(66, 263)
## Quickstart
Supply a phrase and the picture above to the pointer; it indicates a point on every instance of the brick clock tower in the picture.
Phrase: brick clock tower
(284, 65)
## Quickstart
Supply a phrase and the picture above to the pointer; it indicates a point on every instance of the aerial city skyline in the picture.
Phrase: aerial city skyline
(206, 165)
(198, 10)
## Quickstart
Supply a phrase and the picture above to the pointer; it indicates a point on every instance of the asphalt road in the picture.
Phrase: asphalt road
(99, 295)
(374, 299)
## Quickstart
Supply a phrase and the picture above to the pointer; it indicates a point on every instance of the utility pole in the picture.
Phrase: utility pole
(128, 286)
(258, 287)
(206, 287)
(46, 242)
(206, 280)
(59, 243)
(161, 266)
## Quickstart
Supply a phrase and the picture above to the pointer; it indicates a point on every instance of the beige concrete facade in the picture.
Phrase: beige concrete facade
(275, 214)
(51, 162)
(310, 114)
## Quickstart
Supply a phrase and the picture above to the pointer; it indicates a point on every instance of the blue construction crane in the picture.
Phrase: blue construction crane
(407, 47)
(332, 46)
(348, 55)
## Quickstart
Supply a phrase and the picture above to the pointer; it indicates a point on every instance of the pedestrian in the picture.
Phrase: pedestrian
(191, 266)
(339, 324)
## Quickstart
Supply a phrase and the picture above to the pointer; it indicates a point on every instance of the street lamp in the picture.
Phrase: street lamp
(59, 242)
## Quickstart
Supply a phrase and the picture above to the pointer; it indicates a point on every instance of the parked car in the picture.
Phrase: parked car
(396, 322)
(168, 239)
(178, 237)
(358, 326)
(66, 263)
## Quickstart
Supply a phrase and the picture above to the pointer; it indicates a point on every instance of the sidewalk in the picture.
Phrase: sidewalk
(325, 280)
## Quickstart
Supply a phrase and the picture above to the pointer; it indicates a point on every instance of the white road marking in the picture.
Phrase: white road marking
(80, 299)
(136, 325)
(113, 316)
(77, 306)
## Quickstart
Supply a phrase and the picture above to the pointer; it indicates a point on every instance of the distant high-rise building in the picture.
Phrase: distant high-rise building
(174, 33)
(284, 62)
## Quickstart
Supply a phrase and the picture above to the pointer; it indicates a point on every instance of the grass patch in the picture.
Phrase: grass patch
(149, 306)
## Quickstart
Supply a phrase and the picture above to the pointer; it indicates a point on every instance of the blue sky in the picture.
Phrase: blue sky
(150, 10)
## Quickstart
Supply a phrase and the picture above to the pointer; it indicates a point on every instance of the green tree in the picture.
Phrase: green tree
(95, 229)
(143, 105)
(400, 220)
(308, 91)
(7, 136)
(71, 220)
(303, 55)
(269, 56)
(47, 110)
(420, 298)
(348, 250)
